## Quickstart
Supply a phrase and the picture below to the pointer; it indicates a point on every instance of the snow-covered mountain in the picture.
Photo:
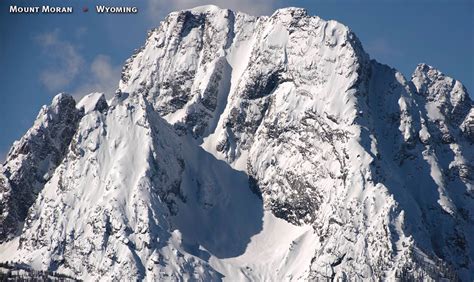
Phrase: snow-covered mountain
(248, 148)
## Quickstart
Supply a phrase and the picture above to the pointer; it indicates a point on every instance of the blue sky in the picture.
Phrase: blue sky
(42, 55)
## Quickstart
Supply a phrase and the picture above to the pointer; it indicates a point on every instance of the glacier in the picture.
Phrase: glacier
(247, 148)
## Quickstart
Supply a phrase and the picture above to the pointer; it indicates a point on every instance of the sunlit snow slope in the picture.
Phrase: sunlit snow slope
(248, 148)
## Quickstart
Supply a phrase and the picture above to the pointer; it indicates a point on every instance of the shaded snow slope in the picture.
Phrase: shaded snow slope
(93, 102)
(259, 148)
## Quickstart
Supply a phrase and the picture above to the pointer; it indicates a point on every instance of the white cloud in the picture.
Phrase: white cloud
(67, 68)
(382, 48)
(80, 32)
(65, 62)
(159, 8)
(104, 77)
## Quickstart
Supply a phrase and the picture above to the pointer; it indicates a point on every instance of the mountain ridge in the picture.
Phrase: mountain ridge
(368, 174)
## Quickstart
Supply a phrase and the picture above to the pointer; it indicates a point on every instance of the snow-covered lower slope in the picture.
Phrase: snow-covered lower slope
(165, 208)
(256, 148)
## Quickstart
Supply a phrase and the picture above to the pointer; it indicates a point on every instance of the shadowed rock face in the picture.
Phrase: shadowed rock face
(220, 116)
(33, 159)
(468, 126)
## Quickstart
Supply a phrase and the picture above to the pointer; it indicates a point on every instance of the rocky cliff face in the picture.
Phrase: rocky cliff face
(32, 160)
(252, 148)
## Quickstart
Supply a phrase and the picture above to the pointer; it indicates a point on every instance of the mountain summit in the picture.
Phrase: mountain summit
(248, 148)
